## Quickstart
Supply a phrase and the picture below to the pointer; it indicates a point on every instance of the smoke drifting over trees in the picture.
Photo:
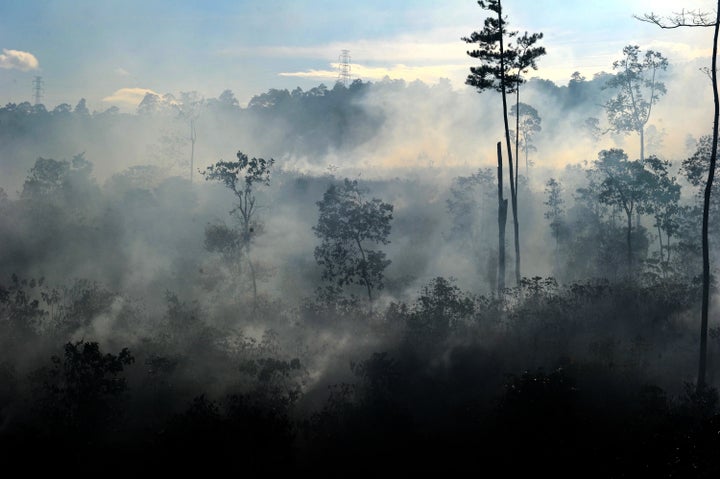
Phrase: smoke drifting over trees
(334, 291)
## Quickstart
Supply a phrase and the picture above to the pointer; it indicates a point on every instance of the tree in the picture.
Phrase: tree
(60, 180)
(702, 19)
(470, 207)
(527, 58)
(348, 226)
(228, 100)
(63, 109)
(638, 90)
(696, 166)
(527, 126)
(591, 127)
(501, 70)
(502, 222)
(80, 392)
(149, 105)
(664, 206)
(241, 177)
(190, 106)
(626, 185)
(555, 210)
(81, 108)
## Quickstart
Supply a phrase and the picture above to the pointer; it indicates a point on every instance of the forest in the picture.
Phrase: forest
(372, 276)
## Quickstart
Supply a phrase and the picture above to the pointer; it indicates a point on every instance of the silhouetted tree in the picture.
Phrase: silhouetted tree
(190, 105)
(502, 65)
(470, 206)
(241, 177)
(502, 221)
(80, 392)
(348, 224)
(440, 309)
(528, 125)
(638, 90)
(63, 181)
(81, 108)
(555, 211)
(527, 58)
(626, 185)
(227, 99)
(149, 104)
(664, 205)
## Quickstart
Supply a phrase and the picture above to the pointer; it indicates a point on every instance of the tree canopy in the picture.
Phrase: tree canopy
(348, 225)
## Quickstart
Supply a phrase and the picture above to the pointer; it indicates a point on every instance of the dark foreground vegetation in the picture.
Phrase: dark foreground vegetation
(186, 343)
(546, 378)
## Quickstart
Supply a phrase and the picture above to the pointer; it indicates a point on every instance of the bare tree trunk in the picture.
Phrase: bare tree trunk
(642, 143)
(629, 242)
(254, 282)
(527, 161)
(517, 129)
(193, 137)
(367, 282)
(702, 366)
(502, 221)
(513, 196)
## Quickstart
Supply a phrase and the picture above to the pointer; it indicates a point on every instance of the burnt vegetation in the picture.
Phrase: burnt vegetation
(276, 319)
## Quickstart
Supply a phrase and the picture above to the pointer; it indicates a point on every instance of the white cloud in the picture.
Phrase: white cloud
(129, 97)
(122, 72)
(15, 59)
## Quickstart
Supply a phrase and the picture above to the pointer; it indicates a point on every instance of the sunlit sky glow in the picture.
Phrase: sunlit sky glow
(113, 51)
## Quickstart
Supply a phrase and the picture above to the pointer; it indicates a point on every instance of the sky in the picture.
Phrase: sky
(112, 52)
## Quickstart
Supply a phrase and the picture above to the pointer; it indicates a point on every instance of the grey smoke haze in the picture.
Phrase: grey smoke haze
(140, 231)
(422, 135)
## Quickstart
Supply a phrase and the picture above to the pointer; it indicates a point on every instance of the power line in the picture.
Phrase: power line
(344, 68)
(38, 88)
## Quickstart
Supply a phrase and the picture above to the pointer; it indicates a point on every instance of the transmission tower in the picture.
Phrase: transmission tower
(344, 68)
(38, 88)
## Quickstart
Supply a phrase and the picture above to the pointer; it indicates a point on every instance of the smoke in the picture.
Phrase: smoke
(138, 228)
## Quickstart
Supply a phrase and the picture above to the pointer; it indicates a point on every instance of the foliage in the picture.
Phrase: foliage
(347, 224)
(638, 90)
(555, 211)
(500, 71)
(468, 204)
(696, 166)
(79, 393)
(441, 308)
(53, 179)
(529, 125)
(241, 177)
(633, 187)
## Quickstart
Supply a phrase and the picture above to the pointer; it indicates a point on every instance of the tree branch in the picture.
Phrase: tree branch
(685, 18)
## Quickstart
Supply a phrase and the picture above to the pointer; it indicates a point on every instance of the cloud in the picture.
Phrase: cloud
(130, 97)
(425, 73)
(122, 72)
(15, 59)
